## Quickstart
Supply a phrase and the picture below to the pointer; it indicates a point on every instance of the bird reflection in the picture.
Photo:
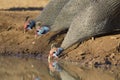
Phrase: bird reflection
(56, 71)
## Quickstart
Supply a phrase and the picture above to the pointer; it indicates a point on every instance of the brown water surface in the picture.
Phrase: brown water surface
(13, 68)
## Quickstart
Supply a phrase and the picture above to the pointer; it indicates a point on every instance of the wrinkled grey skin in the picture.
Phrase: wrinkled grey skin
(98, 18)
(83, 18)
(67, 14)
(51, 11)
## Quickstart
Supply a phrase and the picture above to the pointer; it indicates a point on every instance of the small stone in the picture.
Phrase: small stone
(33, 42)
(112, 55)
(32, 66)
(93, 38)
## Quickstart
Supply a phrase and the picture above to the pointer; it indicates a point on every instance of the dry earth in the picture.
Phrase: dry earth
(101, 51)
(5, 4)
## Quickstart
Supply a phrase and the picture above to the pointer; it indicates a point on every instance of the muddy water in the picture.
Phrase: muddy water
(13, 68)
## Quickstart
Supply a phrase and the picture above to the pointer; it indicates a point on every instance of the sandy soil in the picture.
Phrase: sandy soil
(99, 51)
(5, 4)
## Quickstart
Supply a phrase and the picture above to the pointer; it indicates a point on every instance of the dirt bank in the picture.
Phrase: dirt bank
(5, 4)
(99, 51)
